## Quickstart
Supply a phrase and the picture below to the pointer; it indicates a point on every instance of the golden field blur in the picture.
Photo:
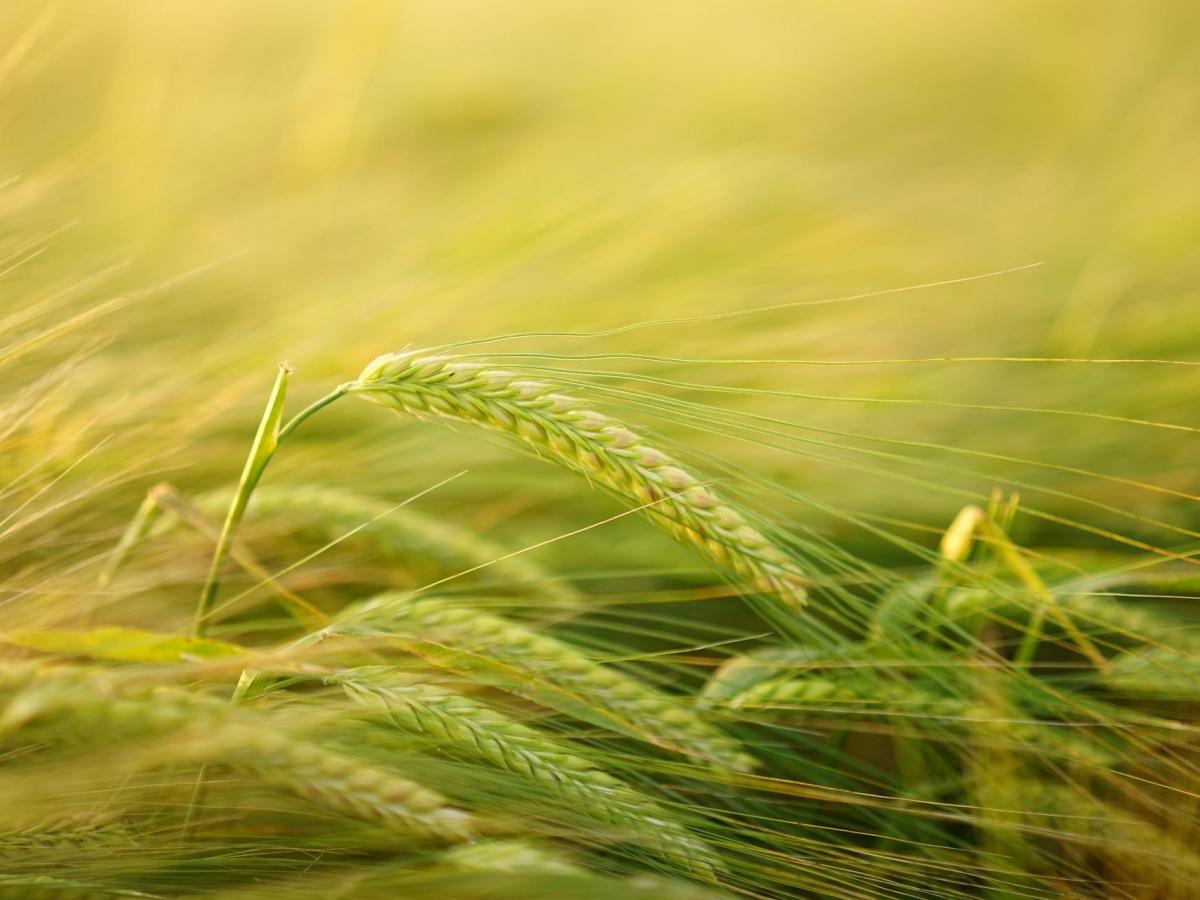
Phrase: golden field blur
(866, 263)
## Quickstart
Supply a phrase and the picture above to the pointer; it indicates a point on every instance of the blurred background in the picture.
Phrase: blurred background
(193, 191)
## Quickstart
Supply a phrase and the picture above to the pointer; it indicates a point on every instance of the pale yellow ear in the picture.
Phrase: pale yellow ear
(960, 536)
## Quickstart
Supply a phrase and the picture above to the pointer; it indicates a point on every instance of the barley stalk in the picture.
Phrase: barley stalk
(653, 715)
(266, 439)
(48, 887)
(463, 726)
(564, 430)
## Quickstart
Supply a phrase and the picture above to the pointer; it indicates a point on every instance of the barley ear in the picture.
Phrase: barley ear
(462, 726)
(564, 430)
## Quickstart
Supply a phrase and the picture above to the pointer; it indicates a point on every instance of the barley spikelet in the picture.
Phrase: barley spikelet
(540, 657)
(564, 430)
(901, 611)
(68, 705)
(465, 727)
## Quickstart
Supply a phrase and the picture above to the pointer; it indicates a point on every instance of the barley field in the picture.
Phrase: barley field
(599, 450)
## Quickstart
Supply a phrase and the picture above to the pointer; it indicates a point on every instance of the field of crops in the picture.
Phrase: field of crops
(599, 450)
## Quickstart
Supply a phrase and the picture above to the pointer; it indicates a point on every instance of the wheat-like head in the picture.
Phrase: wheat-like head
(460, 725)
(565, 430)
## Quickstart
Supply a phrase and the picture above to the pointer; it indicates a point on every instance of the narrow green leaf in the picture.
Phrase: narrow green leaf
(125, 644)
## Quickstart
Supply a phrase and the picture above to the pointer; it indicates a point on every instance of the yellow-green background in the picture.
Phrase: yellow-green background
(352, 178)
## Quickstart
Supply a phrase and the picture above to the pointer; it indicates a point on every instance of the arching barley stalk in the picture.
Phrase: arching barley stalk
(564, 430)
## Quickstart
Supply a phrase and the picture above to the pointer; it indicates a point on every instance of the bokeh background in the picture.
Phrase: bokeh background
(323, 182)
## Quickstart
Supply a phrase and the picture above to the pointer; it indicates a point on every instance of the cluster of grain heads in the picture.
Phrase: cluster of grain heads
(547, 670)
(564, 430)
(462, 726)
(68, 705)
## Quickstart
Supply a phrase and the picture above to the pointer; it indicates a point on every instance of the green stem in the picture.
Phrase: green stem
(265, 442)
(131, 536)
(339, 391)
(270, 434)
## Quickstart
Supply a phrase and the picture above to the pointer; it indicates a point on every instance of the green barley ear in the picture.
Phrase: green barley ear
(462, 726)
(564, 430)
